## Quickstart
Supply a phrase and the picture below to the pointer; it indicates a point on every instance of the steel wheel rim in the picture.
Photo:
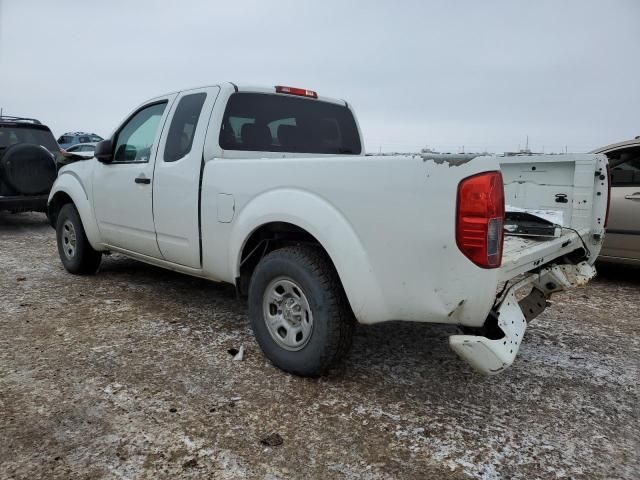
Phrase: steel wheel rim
(287, 314)
(69, 241)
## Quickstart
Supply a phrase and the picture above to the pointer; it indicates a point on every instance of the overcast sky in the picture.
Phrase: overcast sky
(483, 74)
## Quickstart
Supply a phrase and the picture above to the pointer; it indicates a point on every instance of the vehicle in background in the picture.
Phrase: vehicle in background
(28, 164)
(81, 147)
(269, 189)
(79, 151)
(622, 244)
(72, 138)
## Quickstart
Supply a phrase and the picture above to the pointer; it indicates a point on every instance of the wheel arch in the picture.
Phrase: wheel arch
(294, 216)
(69, 189)
(55, 204)
(266, 238)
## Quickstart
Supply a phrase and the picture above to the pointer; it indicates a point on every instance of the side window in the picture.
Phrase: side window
(135, 139)
(183, 126)
(83, 140)
(625, 167)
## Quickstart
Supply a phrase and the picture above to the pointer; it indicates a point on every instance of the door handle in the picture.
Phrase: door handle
(142, 179)
(633, 196)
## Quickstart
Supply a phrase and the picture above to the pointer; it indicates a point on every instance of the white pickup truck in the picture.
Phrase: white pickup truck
(269, 189)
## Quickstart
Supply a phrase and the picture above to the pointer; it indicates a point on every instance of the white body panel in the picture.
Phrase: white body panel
(124, 208)
(387, 222)
(176, 192)
(379, 218)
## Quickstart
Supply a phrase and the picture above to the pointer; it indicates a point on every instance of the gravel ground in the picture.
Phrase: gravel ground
(127, 375)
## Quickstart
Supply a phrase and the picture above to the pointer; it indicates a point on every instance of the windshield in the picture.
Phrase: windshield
(13, 134)
(282, 123)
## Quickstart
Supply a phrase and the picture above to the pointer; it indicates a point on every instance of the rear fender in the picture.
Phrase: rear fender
(322, 220)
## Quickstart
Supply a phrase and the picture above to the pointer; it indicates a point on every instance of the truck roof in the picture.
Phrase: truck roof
(256, 89)
(272, 90)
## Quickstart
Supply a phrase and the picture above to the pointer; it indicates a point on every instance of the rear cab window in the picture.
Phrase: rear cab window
(282, 123)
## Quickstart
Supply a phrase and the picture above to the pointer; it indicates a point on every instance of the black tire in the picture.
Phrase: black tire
(332, 320)
(79, 258)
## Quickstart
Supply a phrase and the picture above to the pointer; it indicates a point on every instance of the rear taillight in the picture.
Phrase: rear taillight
(480, 219)
(296, 91)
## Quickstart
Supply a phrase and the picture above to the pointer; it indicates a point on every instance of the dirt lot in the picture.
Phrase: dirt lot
(127, 375)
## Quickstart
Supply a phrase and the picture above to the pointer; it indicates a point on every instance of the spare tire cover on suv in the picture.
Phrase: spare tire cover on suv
(28, 169)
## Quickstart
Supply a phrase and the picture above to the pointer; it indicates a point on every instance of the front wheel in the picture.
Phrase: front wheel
(299, 312)
(76, 253)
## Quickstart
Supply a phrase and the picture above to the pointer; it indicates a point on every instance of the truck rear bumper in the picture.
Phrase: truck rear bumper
(496, 350)
(24, 203)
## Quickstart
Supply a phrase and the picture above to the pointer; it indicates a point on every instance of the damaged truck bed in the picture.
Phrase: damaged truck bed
(567, 196)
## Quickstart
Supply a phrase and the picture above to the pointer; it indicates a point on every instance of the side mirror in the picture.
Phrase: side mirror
(104, 151)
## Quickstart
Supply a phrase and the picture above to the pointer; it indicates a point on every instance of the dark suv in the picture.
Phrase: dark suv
(28, 164)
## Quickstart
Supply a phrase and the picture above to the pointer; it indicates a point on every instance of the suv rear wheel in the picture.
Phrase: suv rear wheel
(299, 311)
(76, 253)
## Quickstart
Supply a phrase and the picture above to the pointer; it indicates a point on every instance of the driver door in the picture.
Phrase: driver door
(122, 189)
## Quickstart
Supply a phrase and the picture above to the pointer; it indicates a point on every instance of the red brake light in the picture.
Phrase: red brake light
(480, 219)
(296, 91)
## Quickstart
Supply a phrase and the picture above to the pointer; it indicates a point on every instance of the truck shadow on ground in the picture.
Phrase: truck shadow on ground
(396, 359)
(383, 347)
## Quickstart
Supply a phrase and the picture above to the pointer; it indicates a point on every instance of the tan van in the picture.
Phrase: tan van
(622, 241)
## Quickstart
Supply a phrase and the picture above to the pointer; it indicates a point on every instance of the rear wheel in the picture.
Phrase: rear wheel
(76, 253)
(299, 312)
